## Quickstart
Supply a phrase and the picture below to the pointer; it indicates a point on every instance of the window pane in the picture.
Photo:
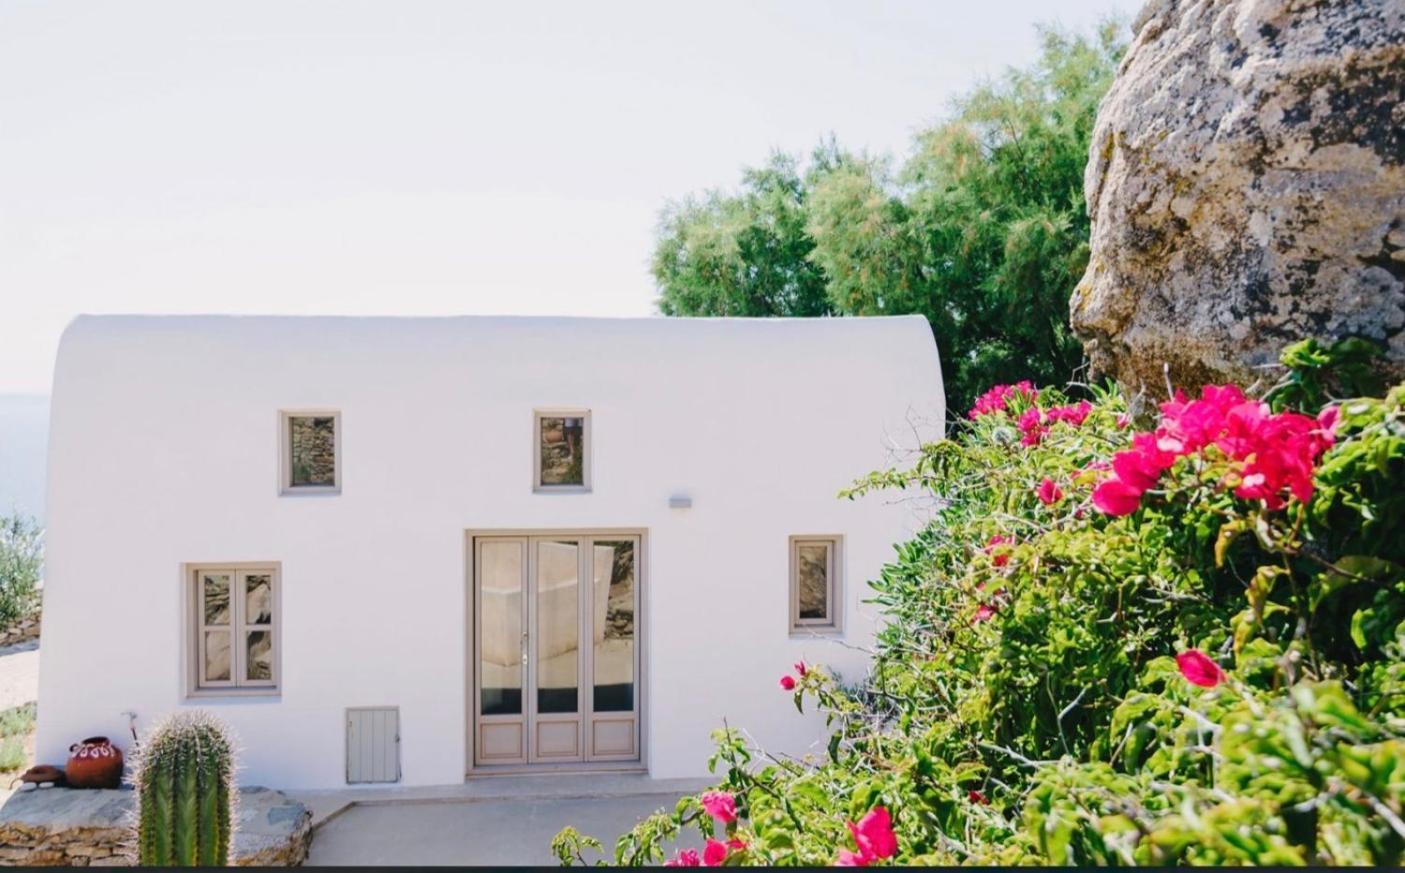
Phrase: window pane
(312, 450)
(563, 451)
(258, 605)
(216, 656)
(558, 623)
(813, 572)
(258, 659)
(216, 588)
(613, 623)
(501, 627)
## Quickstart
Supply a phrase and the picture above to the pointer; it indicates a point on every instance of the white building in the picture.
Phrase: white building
(409, 549)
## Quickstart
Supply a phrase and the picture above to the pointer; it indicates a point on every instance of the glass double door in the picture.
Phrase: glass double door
(556, 649)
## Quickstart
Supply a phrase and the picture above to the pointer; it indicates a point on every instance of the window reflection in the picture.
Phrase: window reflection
(613, 622)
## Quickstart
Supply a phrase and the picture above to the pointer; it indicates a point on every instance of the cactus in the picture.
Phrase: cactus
(184, 779)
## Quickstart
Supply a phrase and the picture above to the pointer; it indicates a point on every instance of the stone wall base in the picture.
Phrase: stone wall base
(97, 828)
(22, 631)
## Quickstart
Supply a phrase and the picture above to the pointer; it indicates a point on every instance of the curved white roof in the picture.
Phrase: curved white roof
(475, 336)
(153, 350)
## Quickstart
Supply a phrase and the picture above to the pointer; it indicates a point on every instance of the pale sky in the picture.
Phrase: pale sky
(420, 158)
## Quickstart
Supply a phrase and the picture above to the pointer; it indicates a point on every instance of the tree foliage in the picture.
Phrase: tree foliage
(983, 229)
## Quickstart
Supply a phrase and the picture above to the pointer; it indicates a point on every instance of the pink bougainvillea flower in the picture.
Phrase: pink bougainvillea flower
(684, 858)
(998, 556)
(720, 805)
(995, 399)
(801, 668)
(976, 797)
(1133, 472)
(736, 845)
(985, 612)
(788, 683)
(874, 836)
(1049, 492)
(1073, 415)
(1198, 669)
(1240, 430)
(1031, 426)
(1123, 421)
(1142, 465)
(1191, 425)
(1277, 453)
(714, 853)
(1115, 497)
(850, 859)
(1327, 421)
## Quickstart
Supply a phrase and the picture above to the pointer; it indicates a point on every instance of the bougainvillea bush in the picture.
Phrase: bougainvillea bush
(1176, 640)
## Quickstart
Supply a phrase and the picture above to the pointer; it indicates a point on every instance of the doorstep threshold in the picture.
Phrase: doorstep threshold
(500, 787)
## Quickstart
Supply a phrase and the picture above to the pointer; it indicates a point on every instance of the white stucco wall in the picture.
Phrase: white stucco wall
(164, 451)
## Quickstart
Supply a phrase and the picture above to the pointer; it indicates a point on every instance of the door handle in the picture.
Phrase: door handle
(524, 648)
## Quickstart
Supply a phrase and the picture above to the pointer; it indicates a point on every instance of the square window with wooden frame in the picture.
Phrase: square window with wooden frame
(561, 453)
(234, 629)
(815, 583)
(311, 452)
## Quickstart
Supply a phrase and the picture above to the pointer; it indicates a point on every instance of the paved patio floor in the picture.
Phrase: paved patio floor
(493, 821)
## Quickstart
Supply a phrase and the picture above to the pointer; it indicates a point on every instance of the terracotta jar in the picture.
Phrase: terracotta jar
(94, 763)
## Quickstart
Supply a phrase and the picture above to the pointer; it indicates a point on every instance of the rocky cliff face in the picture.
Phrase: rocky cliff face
(1246, 185)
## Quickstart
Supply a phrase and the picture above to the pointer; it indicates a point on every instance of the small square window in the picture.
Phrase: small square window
(234, 628)
(814, 583)
(562, 453)
(311, 452)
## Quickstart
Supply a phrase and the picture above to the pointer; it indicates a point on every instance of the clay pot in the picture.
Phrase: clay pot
(94, 763)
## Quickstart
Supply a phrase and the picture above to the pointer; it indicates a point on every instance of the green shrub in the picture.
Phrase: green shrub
(1109, 647)
(12, 754)
(16, 724)
(184, 784)
(21, 562)
(17, 721)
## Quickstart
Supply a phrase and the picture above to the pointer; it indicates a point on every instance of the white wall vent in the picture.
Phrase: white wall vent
(373, 744)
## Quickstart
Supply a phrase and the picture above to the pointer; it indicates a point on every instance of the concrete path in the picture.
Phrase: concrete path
(496, 820)
(19, 674)
(473, 832)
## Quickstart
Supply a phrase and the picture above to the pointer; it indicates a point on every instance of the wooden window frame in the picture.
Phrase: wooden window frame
(286, 487)
(586, 449)
(238, 630)
(832, 623)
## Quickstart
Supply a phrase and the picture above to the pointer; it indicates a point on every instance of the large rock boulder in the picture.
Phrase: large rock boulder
(1246, 185)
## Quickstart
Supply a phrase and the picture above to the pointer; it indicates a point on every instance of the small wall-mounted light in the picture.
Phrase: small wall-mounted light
(680, 501)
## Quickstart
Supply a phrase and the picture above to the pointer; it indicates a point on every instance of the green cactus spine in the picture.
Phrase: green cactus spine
(184, 780)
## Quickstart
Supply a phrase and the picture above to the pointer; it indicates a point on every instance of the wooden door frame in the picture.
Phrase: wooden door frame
(471, 537)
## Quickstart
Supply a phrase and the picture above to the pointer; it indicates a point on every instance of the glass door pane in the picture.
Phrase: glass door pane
(558, 626)
(613, 624)
(217, 620)
(500, 626)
